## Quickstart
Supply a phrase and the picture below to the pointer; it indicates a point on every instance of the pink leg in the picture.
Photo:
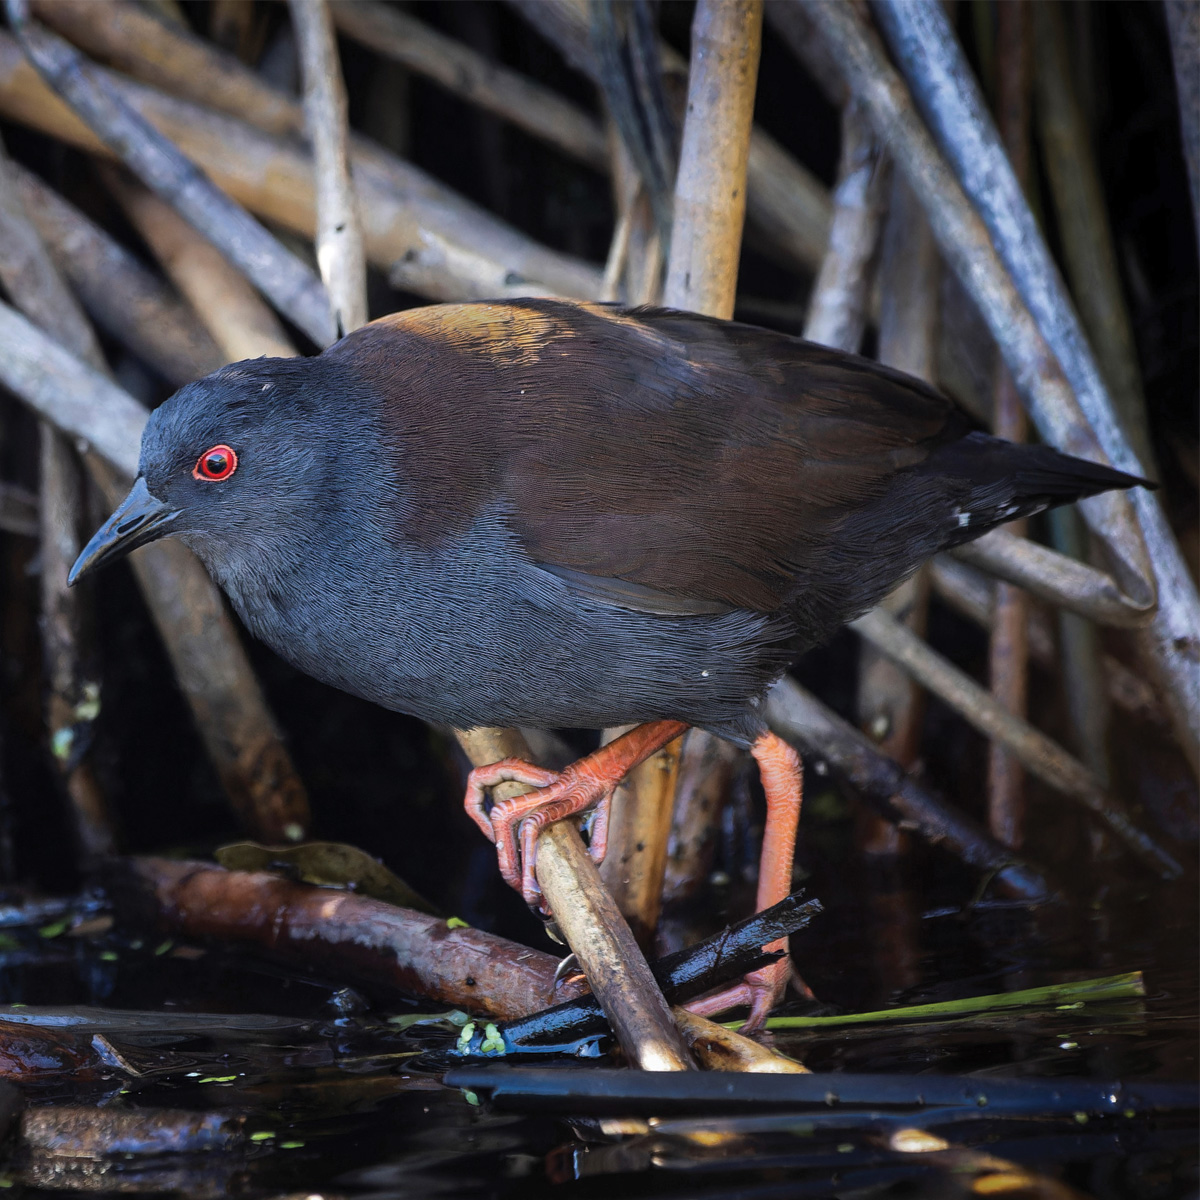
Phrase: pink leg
(783, 782)
(585, 783)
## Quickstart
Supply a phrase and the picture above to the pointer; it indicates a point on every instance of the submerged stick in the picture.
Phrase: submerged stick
(349, 937)
(1042, 756)
(274, 270)
(720, 1048)
(592, 924)
(339, 241)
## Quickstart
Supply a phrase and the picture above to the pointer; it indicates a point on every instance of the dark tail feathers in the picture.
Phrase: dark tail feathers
(1009, 481)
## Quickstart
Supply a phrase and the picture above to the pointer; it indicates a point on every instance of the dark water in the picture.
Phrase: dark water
(325, 1097)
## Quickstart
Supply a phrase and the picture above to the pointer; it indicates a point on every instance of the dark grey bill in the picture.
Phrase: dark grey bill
(140, 518)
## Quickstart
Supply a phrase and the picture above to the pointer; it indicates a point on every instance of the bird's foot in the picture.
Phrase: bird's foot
(557, 795)
(761, 990)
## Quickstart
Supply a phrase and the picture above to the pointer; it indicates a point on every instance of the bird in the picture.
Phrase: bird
(555, 514)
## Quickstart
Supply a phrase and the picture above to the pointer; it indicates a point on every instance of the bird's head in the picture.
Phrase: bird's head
(227, 463)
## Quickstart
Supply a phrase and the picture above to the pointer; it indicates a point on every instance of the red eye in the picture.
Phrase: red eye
(217, 463)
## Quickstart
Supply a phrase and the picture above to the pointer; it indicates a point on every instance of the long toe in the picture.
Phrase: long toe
(760, 991)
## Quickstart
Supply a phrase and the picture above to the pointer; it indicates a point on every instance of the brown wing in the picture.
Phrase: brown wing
(699, 459)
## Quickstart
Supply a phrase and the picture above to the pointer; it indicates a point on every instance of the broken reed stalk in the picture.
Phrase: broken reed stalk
(891, 705)
(239, 320)
(965, 243)
(339, 242)
(1083, 227)
(721, 1049)
(468, 74)
(274, 270)
(972, 594)
(784, 200)
(820, 733)
(348, 937)
(1065, 582)
(710, 186)
(210, 664)
(706, 236)
(837, 310)
(591, 923)
(1042, 756)
(126, 300)
(1021, 296)
(435, 242)
(1008, 649)
(33, 283)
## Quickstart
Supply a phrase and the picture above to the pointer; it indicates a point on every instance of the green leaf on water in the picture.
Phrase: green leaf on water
(53, 930)
(1056, 995)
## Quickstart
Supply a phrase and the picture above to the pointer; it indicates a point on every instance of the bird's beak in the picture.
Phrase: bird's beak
(139, 518)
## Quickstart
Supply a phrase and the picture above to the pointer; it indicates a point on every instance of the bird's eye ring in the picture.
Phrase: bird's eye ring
(215, 464)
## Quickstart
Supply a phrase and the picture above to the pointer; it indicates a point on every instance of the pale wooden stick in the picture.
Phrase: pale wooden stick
(274, 270)
(466, 73)
(710, 188)
(241, 323)
(837, 312)
(721, 1049)
(785, 200)
(121, 295)
(591, 923)
(339, 234)
(403, 209)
